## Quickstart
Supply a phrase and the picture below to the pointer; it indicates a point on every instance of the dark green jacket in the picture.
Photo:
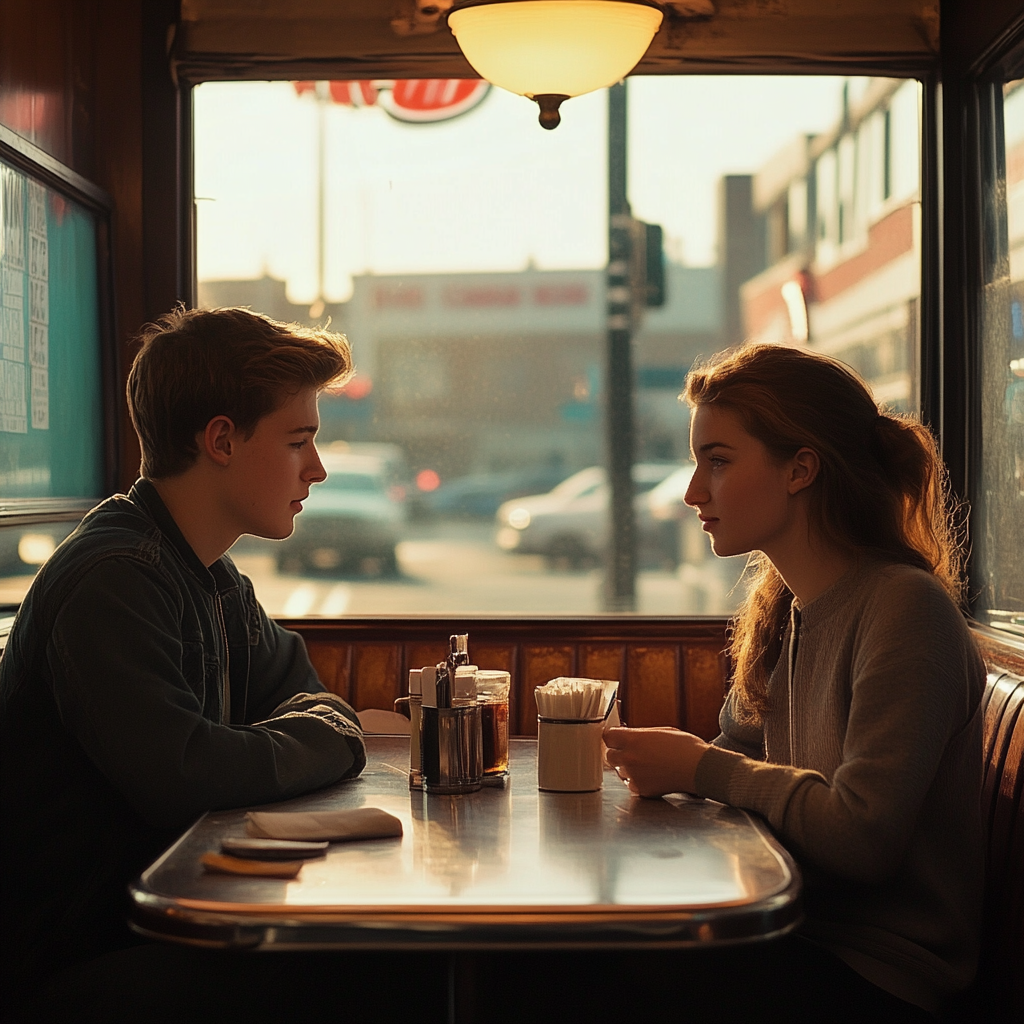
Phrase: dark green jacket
(139, 689)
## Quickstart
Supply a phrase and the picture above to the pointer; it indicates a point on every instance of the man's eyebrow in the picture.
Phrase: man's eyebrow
(304, 430)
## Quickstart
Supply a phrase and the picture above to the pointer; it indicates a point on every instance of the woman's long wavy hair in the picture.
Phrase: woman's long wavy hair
(882, 486)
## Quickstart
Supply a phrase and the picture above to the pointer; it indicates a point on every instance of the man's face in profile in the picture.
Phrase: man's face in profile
(271, 472)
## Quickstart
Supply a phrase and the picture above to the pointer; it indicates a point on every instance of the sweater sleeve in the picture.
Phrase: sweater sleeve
(910, 694)
(742, 729)
(115, 661)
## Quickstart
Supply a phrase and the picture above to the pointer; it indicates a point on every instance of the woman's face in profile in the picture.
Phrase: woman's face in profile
(741, 494)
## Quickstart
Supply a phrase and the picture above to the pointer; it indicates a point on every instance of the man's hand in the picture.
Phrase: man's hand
(653, 762)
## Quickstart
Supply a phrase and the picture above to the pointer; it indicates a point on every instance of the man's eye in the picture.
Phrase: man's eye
(299, 444)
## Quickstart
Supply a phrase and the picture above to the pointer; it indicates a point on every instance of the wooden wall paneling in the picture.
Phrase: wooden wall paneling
(540, 664)
(652, 691)
(333, 664)
(376, 676)
(605, 661)
(497, 656)
(703, 689)
(419, 653)
(601, 661)
(503, 657)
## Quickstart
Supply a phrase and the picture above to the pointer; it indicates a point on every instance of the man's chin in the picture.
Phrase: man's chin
(281, 532)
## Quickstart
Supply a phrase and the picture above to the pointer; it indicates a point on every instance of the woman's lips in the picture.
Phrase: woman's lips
(707, 523)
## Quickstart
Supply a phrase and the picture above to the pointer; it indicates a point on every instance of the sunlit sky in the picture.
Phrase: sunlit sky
(490, 190)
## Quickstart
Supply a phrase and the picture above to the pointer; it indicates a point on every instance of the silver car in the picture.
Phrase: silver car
(569, 525)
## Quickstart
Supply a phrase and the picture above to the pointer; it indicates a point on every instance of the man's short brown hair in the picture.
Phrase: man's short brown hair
(196, 364)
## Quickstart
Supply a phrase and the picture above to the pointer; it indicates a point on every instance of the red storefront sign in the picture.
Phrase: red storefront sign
(413, 100)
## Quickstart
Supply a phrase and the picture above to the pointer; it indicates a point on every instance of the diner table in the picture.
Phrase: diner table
(507, 867)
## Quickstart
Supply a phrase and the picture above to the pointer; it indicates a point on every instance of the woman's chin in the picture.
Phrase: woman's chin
(723, 549)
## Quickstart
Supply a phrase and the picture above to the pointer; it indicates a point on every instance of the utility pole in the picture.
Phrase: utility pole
(323, 98)
(620, 580)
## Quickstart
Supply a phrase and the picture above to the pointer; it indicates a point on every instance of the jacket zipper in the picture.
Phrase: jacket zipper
(225, 699)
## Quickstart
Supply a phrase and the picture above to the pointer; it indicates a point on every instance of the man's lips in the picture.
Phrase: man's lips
(707, 522)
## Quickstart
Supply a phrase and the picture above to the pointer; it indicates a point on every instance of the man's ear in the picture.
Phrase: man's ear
(803, 470)
(218, 440)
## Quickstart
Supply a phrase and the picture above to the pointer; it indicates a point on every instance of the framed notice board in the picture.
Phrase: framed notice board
(56, 364)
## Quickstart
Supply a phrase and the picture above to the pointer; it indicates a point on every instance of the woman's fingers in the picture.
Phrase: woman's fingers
(654, 761)
(616, 737)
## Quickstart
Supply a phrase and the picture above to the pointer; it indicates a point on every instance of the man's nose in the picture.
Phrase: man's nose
(315, 472)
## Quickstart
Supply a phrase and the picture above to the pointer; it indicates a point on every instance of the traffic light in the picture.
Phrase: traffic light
(654, 265)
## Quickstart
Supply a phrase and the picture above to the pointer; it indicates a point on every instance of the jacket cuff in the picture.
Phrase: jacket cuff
(714, 773)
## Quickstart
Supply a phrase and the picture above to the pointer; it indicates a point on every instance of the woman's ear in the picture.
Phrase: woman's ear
(218, 440)
(803, 470)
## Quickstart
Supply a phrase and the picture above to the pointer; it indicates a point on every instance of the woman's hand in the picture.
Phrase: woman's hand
(653, 762)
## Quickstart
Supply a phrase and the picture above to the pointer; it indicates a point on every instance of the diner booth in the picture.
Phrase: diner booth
(96, 104)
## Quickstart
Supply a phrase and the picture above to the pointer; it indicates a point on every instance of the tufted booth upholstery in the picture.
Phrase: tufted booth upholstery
(998, 995)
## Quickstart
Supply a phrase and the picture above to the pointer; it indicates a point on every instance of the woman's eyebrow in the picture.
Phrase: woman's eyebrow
(704, 448)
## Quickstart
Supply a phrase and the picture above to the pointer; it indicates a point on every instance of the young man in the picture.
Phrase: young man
(142, 683)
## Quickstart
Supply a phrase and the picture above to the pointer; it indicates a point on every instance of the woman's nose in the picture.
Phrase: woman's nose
(696, 492)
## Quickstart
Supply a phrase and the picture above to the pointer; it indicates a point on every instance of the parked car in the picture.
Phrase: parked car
(666, 521)
(480, 495)
(569, 525)
(350, 523)
(24, 549)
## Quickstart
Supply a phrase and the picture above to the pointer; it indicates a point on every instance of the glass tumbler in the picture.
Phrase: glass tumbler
(492, 695)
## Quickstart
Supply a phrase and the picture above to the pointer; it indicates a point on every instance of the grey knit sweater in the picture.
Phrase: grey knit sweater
(868, 766)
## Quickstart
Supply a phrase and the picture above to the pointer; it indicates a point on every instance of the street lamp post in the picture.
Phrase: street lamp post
(620, 580)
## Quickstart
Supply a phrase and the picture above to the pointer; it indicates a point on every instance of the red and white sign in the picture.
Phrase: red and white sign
(414, 100)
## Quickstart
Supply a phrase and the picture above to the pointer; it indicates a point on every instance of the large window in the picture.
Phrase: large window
(466, 261)
(999, 511)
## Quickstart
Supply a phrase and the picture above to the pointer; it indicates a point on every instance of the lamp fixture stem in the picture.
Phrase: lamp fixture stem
(549, 103)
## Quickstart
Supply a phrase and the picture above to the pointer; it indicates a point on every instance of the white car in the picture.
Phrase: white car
(569, 525)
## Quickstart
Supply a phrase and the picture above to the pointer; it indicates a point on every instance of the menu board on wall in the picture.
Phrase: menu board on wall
(51, 418)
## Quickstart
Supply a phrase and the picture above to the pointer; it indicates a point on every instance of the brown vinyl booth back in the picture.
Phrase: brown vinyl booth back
(998, 993)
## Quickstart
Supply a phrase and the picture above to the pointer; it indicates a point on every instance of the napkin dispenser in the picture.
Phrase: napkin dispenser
(451, 742)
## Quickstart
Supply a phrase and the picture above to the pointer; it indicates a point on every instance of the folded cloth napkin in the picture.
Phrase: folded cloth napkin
(335, 826)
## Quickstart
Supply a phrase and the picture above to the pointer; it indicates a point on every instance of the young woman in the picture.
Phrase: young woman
(853, 724)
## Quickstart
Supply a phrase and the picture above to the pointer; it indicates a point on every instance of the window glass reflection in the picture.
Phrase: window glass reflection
(466, 261)
(999, 509)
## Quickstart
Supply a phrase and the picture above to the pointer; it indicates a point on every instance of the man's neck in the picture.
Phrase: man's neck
(198, 517)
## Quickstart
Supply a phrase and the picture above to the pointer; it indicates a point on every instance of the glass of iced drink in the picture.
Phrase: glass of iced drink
(492, 695)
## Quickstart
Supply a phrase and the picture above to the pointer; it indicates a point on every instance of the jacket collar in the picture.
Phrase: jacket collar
(146, 496)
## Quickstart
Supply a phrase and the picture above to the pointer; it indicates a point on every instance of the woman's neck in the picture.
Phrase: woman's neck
(811, 568)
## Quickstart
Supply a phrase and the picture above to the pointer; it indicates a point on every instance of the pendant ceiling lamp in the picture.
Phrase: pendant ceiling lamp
(550, 50)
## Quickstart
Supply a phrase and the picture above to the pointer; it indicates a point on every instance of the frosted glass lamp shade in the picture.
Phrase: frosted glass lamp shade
(554, 48)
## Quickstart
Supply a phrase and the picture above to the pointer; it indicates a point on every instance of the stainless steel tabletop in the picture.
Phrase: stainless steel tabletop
(501, 868)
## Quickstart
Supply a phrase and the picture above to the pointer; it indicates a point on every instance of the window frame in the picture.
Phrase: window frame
(951, 192)
(48, 171)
